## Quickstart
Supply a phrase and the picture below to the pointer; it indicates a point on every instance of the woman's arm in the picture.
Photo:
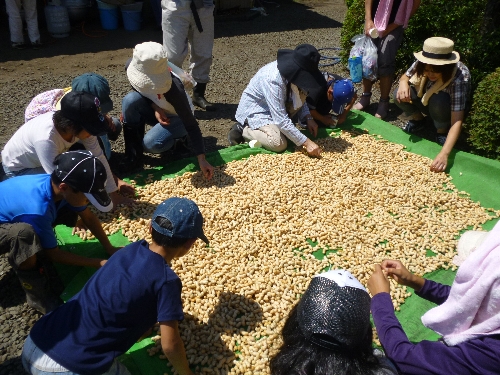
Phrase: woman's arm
(441, 161)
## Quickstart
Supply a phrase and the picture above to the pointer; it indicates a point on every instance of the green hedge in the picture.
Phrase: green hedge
(474, 26)
(483, 124)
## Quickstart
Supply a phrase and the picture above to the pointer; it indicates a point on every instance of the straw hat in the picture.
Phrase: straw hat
(148, 71)
(438, 51)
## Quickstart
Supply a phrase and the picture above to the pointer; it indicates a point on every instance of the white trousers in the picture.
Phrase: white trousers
(180, 36)
(13, 8)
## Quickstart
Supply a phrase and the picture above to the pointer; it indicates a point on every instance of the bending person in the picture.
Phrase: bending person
(33, 147)
(467, 317)
(275, 94)
(30, 206)
(334, 106)
(158, 99)
(120, 302)
(436, 86)
(329, 331)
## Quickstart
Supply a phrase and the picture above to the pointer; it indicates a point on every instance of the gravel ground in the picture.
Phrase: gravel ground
(243, 44)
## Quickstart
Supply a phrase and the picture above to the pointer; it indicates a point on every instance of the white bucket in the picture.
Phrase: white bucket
(57, 21)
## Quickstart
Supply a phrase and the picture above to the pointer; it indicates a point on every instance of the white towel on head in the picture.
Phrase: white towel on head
(473, 306)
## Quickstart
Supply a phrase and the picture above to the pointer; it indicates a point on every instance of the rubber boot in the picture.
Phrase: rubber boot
(39, 294)
(134, 151)
(199, 97)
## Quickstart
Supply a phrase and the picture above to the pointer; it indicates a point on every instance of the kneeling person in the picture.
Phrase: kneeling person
(275, 94)
(29, 208)
(120, 302)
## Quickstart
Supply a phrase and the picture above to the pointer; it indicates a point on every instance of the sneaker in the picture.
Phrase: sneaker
(414, 126)
(18, 45)
(37, 44)
(441, 139)
(235, 135)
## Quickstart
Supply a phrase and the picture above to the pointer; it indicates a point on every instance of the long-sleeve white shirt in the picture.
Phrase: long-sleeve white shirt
(37, 143)
(264, 102)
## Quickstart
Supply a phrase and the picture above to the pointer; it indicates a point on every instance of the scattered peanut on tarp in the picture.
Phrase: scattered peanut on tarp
(364, 201)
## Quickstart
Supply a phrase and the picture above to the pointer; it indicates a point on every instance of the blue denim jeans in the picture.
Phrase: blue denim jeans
(137, 111)
(438, 108)
(36, 362)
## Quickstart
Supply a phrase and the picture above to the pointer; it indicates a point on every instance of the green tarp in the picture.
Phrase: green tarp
(478, 176)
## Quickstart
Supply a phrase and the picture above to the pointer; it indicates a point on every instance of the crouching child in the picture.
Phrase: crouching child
(121, 301)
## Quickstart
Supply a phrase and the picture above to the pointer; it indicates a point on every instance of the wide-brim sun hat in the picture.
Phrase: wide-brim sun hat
(300, 67)
(148, 71)
(438, 51)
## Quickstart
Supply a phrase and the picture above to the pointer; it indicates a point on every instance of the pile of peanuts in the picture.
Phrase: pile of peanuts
(363, 201)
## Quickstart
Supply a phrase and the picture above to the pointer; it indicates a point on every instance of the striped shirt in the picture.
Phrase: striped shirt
(458, 89)
(264, 102)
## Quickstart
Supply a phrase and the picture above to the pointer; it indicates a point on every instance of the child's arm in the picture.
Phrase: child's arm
(327, 119)
(348, 107)
(173, 347)
(94, 225)
(57, 255)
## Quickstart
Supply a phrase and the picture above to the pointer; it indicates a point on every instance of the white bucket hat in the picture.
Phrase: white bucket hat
(438, 51)
(468, 242)
(148, 71)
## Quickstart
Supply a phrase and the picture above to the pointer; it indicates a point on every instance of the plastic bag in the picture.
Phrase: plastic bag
(370, 57)
(186, 78)
(366, 49)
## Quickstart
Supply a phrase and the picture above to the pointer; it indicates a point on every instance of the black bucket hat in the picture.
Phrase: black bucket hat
(300, 67)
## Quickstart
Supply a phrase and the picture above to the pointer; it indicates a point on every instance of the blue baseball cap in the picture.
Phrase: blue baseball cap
(343, 91)
(96, 85)
(185, 216)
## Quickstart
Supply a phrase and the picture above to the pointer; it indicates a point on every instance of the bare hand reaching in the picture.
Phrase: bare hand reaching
(378, 282)
(396, 270)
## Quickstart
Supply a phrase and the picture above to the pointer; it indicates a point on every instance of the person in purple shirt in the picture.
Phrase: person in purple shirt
(467, 317)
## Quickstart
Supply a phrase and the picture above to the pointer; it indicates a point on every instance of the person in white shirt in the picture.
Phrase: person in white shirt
(34, 146)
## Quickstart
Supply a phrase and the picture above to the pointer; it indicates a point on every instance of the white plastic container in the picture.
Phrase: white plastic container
(373, 33)
(57, 21)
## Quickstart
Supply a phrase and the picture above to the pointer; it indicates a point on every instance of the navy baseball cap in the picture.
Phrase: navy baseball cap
(84, 172)
(96, 85)
(343, 91)
(185, 216)
(84, 109)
